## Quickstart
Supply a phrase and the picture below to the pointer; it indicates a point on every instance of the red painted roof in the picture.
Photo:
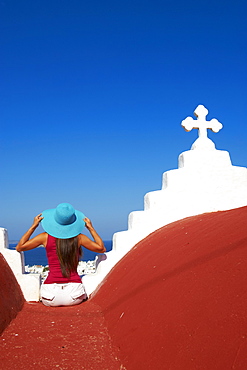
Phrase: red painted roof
(176, 301)
(11, 297)
(70, 338)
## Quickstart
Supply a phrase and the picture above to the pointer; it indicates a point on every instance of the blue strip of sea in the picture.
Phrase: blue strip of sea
(37, 256)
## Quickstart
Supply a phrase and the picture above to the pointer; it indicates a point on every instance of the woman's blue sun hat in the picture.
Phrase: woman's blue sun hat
(63, 222)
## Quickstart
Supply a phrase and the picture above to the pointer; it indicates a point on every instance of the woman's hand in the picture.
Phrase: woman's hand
(88, 223)
(37, 220)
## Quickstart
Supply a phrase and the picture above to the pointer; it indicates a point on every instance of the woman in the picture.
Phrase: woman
(63, 240)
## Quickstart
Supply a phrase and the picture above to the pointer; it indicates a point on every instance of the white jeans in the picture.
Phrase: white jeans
(62, 294)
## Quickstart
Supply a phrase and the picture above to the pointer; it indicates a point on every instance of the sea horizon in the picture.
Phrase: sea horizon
(37, 256)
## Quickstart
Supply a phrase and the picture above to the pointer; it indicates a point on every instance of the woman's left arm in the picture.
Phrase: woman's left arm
(25, 244)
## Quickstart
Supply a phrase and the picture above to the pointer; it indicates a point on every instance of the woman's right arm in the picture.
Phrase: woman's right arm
(97, 245)
(25, 244)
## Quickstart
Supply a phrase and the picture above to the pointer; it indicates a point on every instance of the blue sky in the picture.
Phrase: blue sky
(92, 96)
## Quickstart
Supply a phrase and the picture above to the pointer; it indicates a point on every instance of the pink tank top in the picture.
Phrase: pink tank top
(55, 273)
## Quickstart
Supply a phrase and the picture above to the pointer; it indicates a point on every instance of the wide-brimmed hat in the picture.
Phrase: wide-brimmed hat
(63, 222)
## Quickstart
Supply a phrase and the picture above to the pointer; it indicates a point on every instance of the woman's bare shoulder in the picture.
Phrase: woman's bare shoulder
(43, 238)
(82, 238)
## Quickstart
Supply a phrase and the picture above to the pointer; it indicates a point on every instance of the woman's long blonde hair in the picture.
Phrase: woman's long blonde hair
(68, 254)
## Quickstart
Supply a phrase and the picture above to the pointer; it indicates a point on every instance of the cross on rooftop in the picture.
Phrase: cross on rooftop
(201, 123)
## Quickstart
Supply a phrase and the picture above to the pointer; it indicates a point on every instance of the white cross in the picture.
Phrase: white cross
(201, 112)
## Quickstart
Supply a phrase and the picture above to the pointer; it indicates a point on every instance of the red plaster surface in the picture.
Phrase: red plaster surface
(58, 338)
(178, 300)
(11, 297)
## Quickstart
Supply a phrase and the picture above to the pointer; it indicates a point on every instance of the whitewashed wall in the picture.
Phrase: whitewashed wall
(29, 283)
(205, 181)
